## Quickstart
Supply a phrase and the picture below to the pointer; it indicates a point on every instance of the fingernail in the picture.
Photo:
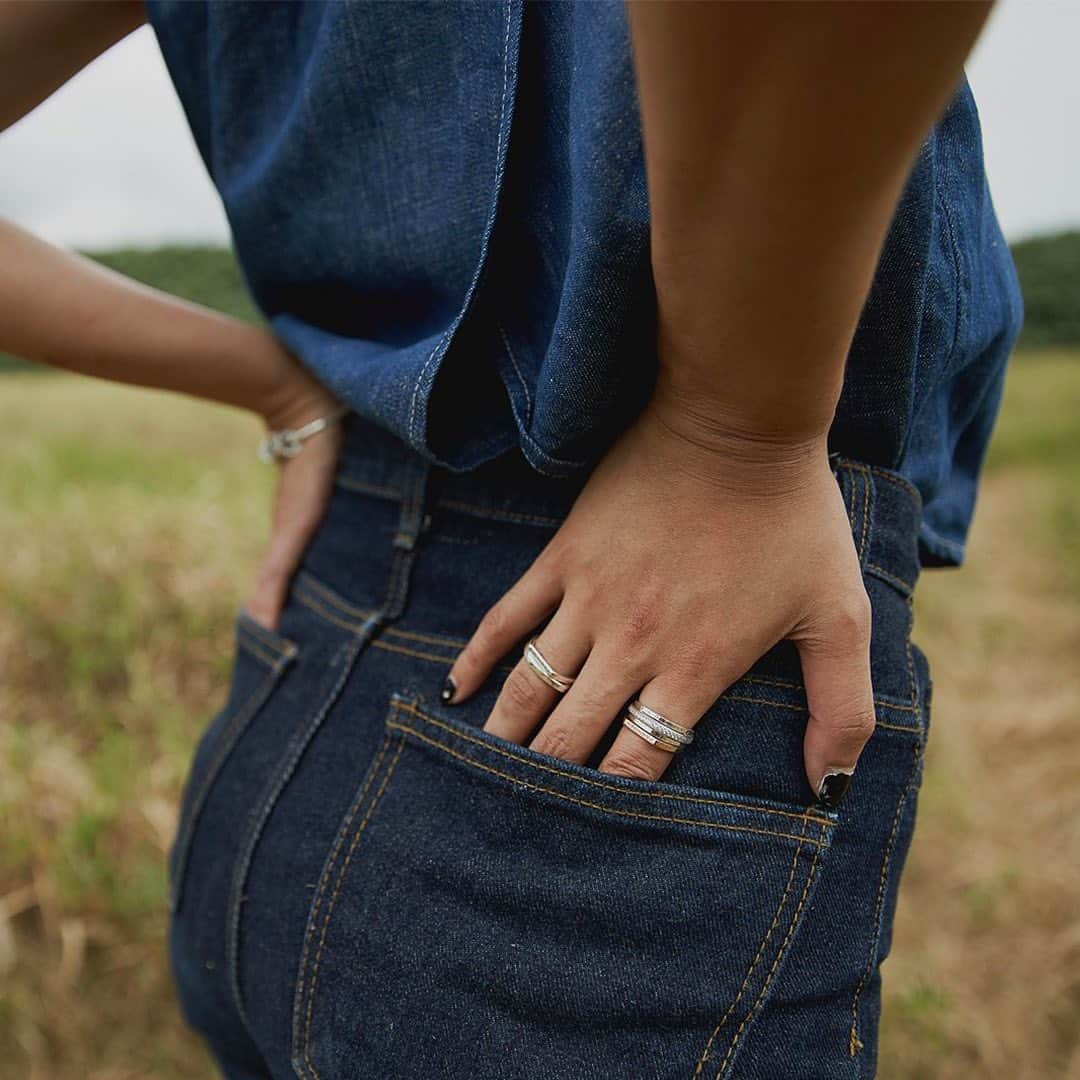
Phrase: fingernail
(833, 787)
(449, 689)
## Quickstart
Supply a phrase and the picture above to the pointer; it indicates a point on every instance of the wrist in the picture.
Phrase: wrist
(733, 452)
(288, 395)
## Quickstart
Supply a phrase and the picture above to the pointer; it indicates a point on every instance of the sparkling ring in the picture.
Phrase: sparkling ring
(655, 729)
(544, 671)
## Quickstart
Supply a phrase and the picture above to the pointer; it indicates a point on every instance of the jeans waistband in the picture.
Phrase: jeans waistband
(883, 507)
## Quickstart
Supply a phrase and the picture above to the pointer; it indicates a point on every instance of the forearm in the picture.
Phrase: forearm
(67, 311)
(778, 138)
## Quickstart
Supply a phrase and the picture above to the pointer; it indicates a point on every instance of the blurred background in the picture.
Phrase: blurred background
(131, 521)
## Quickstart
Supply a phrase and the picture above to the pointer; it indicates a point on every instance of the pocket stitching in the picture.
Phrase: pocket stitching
(854, 1042)
(327, 873)
(232, 734)
(753, 964)
(279, 645)
(805, 818)
(333, 902)
(776, 963)
(414, 709)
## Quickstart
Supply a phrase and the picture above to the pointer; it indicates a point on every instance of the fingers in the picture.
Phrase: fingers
(525, 699)
(531, 600)
(587, 710)
(303, 492)
(836, 671)
(682, 701)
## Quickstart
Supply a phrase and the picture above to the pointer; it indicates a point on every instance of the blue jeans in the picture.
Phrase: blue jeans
(366, 884)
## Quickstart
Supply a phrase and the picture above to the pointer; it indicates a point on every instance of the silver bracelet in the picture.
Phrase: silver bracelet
(288, 442)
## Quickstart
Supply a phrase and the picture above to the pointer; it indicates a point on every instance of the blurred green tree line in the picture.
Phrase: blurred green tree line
(1048, 266)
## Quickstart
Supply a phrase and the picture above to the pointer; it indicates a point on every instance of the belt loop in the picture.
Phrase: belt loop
(411, 523)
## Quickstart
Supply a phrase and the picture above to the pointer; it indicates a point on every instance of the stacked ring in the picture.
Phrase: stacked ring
(544, 671)
(655, 729)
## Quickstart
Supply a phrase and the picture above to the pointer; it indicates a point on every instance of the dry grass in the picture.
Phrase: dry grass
(122, 559)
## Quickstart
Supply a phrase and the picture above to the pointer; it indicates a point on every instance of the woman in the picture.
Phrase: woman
(598, 521)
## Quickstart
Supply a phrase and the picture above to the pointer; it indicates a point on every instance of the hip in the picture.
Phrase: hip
(373, 878)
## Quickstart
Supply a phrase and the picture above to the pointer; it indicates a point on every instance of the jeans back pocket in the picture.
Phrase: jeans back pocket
(490, 912)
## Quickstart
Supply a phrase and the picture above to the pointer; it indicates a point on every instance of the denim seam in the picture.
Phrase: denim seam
(551, 459)
(307, 580)
(364, 488)
(270, 795)
(954, 249)
(277, 643)
(865, 472)
(410, 525)
(323, 612)
(889, 578)
(855, 1044)
(897, 481)
(253, 646)
(485, 242)
(302, 998)
(735, 1042)
(230, 737)
(950, 546)
(312, 604)
(753, 965)
(333, 903)
(521, 379)
(674, 797)
(406, 651)
(634, 815)
(887, 475)
(475, 510)
(804, 709)
(499, 515)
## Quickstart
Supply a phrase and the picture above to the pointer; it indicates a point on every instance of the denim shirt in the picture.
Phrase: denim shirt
(442, 210)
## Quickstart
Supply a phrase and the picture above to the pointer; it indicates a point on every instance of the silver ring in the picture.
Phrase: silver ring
(661, 742)
(655, 728)
(544, 671)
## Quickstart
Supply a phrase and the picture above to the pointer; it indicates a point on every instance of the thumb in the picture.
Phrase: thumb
(836, 672)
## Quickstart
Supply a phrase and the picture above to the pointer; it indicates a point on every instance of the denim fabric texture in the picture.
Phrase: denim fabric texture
(366, 884)
(442, 209)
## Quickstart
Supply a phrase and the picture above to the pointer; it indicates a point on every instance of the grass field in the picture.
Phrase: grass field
(129, 523)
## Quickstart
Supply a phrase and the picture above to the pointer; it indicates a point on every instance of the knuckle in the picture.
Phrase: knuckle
(522, 691)
(555, 740)
(851, 729)
(495, 624)
(850, 623)
(632, 764)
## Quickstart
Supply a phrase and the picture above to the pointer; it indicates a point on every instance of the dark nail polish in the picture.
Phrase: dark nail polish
(449, 689)
(833, 788)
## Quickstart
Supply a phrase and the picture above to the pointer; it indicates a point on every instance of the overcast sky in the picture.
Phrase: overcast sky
(109, 160)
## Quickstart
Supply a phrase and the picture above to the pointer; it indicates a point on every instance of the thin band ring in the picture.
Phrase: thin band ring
(544, 671)
(661, 724)
(661, 742)
(655, 729)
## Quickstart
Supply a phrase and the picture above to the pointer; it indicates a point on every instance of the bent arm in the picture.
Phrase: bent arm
(778, 138)
(61, 309)
(66, 311)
